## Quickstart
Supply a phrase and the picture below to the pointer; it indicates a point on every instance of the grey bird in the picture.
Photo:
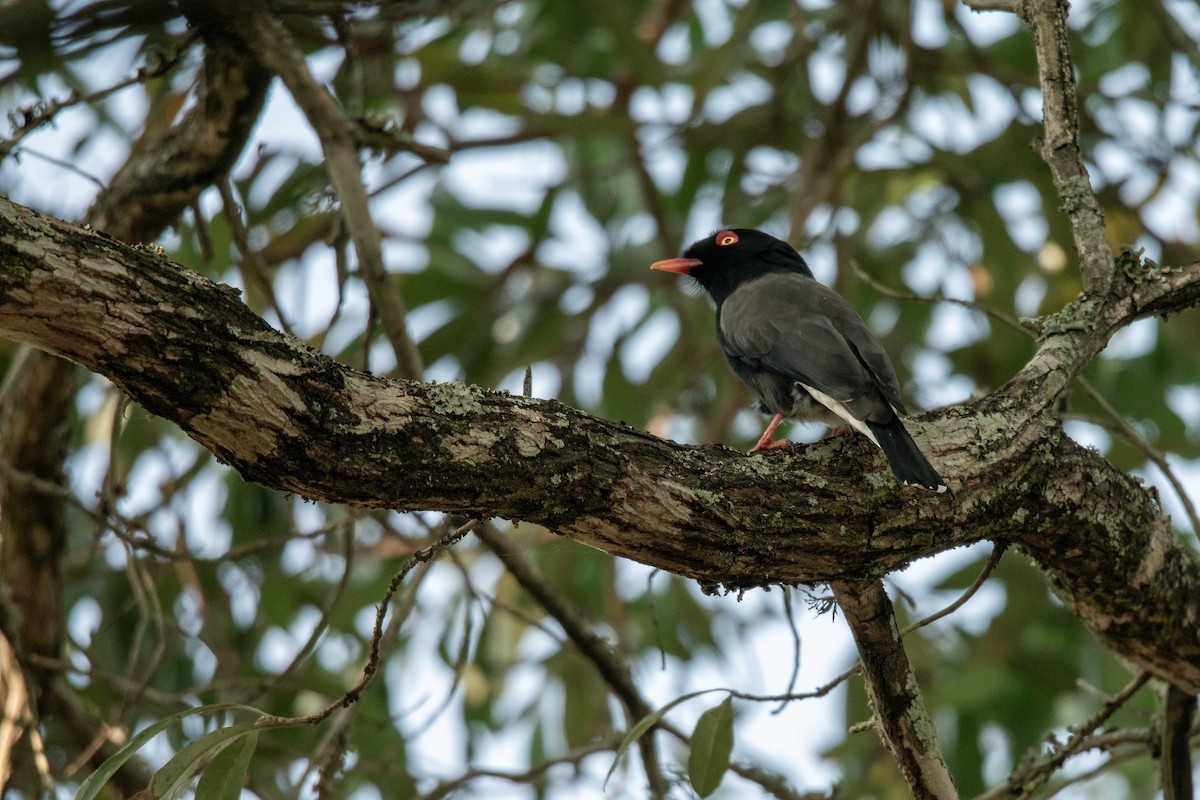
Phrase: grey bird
(800, 346)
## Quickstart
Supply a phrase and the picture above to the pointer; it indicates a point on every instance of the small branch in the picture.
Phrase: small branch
(253, 267)
(274, 46)
(1047, 21)
(1012, 6)
(423, 556)
(826, 688)
(614, 671)
(1139, 442)
(899, 710)
(1032, 775)
(27, 120)
(993, 560)
(382, 135)
(576, 756)
(1175, 752)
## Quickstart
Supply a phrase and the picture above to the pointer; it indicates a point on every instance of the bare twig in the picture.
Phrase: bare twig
(254, 268)
(614, 671)
(1130, 434)
(993, 560)
(371, 668)
(576, 756)
(27, 120)
(1012, 6)
(1030, 776)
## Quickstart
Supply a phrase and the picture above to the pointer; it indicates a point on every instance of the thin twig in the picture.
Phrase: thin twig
(576, 756)
(423, 556)
(612, 669)
(994, 559)
(26, 120)
(1031, 776)
(346, 529)
(1143, 446)
(896, 294)
(254, 268)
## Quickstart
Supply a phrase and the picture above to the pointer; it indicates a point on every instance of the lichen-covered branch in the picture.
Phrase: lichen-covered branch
(288, 417)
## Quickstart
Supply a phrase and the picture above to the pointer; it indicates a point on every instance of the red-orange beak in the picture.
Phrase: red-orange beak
(682, 266)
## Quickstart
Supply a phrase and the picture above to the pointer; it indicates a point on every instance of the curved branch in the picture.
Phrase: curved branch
(287, 417)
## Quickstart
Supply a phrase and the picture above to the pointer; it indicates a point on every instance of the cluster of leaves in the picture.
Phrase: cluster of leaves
(588, 140)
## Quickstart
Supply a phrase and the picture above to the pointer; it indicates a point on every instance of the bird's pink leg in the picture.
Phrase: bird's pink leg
(764, 441)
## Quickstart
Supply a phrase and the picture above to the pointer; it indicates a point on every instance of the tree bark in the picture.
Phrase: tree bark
(288, 417)
(895, 696)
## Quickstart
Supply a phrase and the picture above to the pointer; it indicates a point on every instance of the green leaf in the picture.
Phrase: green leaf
(226, 775)
(646, 723)
(712, 744)
(174, 777)
(92, 785)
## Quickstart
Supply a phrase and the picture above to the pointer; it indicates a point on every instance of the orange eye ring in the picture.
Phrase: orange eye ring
(726, 238)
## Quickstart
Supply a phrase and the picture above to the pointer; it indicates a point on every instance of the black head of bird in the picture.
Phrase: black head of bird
(800, 346)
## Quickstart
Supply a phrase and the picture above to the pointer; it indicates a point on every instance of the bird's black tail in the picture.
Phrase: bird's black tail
(907, 461)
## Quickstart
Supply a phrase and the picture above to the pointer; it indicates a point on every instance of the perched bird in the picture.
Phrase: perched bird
(800, 346)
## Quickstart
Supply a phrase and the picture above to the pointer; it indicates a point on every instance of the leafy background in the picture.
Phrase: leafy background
(892, 144)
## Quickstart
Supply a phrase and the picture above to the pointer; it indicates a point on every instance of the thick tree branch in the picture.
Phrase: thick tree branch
(288, 417)
(895, 697)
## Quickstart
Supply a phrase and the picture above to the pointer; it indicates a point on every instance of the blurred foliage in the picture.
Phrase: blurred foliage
(588, 140)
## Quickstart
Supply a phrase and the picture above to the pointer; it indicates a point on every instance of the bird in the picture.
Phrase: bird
(800, 346)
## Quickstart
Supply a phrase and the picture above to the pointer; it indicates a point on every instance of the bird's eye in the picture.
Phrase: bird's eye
(726, 238)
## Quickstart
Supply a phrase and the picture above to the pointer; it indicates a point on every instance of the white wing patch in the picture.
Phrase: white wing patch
(840, 410)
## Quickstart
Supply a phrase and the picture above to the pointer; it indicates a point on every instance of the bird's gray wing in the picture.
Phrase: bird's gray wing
(795, 327)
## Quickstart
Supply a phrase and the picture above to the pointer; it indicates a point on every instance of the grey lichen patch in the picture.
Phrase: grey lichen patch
(453, 399)
(472, 447)
(1077, 193)
(992, 433)
(380, 403)
(710, 498)
(815, 481)
(1152, 561)
(877, 480)
(538, 418)
(531, 439)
